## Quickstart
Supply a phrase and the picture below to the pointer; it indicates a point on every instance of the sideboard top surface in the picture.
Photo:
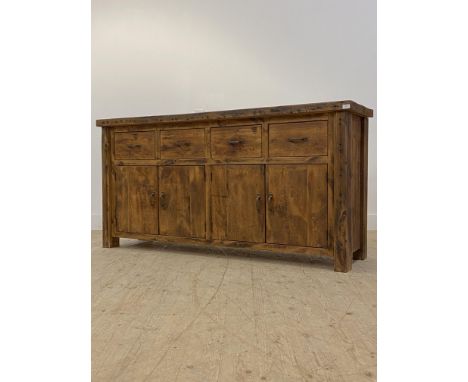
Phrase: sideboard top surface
(274, 111)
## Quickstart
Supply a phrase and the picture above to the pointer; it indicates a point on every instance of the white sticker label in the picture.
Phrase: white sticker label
(346, 106)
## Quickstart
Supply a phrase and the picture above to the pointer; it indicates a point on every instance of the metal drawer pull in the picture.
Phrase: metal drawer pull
(181, 144)
(234, 142)
(133, 145)
(296, 140)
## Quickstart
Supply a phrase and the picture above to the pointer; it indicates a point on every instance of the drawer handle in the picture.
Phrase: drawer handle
(133, 145)
(182, 144)
(297, 139)
(234, 142)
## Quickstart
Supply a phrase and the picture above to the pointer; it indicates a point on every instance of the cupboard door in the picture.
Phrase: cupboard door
(238, 202)
(182, 201)
(297, 205)
(136, 208)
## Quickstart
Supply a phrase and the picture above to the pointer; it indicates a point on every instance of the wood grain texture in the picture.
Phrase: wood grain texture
(135, 145)
(356, 181)
(279, 249)
(136, 199)
(342, 194)
(362, 253)
(296, 139)
(183, 143)
(209, 314)
(331, 181)
(297, 211)
(182, 201)
(262, 112)
(238, 202)
(289, 179)
(108, 241)
(236, 142)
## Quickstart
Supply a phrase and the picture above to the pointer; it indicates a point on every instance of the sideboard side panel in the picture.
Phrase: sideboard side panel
(361, 254)
(108, 241)
(343, 254)
(356, 182)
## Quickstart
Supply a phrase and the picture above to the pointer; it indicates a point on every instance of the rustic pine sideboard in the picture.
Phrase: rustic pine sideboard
(288, 179)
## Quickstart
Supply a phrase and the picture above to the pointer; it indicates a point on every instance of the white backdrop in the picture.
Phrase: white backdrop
(154, 57)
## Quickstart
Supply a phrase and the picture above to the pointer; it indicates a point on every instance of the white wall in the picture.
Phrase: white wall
(154, 57)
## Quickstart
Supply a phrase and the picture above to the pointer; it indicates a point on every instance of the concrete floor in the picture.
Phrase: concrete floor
(175, 314)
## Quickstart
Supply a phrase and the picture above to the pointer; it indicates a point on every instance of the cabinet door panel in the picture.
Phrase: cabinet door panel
(182, 201)
(238, 202)
(136, 208)
(297, 205)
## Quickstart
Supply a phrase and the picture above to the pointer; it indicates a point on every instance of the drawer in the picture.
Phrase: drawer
(236, 142)
(297, 139)
(134, 145)
(183, 143)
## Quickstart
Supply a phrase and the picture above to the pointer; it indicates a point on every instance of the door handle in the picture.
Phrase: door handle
(153, 198)
(163, 200)
(258, 200)
(269, 201)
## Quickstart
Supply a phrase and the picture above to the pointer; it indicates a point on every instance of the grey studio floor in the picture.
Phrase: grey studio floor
(165, 313)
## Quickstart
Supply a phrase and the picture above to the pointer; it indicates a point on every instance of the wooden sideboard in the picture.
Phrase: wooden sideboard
(288, 179)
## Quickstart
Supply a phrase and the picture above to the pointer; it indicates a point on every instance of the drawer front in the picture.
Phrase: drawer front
(296, 139)
(236, 142)
(134, 145)
(183, 143)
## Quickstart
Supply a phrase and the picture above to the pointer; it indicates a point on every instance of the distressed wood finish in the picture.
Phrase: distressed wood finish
(238, 202)
(297, 205)
(342, 194)
(182, 201)
(260, 112)
(134, 145)
(356, 184)
(183, 143)
(236, 142)
(136, 207)
(298, 139)
(108, 241)
(361, 254)
(289, 179)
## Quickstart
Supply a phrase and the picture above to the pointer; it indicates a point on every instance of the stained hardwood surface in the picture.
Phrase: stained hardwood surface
(261, 112)
(342, 194)
(182, 201)
(108, 241)
(238, 202)
(356, 181)
(135, 145)
(297, 205)
(296, 139)
(136, 200)
(183, 143)
(181, 314)
(283, 179)
(236, 142)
